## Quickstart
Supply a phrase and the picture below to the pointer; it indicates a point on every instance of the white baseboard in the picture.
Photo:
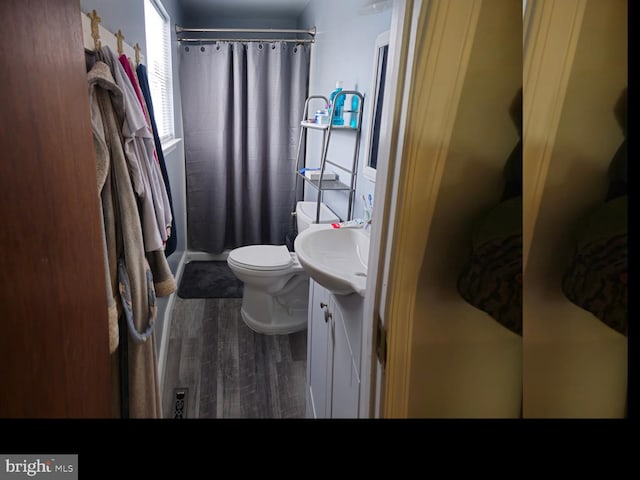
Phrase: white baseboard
(206, 256)
(166, 325)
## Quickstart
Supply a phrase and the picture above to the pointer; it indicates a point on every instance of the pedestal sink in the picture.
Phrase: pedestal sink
(336, 258)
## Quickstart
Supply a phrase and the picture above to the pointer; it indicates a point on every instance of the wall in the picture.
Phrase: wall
(464, 363)
(197, 18)
(343, 50)
(574, 365)
(128, 16)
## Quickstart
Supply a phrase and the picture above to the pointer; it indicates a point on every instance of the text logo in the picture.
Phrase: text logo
(51, 467)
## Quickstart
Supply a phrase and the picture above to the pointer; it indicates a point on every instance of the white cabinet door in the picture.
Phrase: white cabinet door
(319, 358)
(345, 389)
(334, 337)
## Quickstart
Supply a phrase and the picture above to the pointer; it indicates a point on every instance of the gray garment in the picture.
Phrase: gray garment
(139, 147)
(242, 105)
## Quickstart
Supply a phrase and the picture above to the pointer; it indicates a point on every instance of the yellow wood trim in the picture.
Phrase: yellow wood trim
(553, 30)
(445, 37)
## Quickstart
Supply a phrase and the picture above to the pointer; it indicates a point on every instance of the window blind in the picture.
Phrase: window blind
(158, 36)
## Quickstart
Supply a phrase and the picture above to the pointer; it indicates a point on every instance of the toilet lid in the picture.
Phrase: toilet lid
(262, 257)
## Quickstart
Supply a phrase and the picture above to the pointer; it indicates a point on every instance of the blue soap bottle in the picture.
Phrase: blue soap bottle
(354, 111)
(338, 104)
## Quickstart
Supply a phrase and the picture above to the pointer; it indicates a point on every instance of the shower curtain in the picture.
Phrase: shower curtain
(242, 104)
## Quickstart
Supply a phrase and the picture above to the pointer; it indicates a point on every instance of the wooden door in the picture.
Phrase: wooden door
(453, 138)
(54, 358)
(576, 59)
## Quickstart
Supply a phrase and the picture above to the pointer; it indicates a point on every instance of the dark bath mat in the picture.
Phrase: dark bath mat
(209, 280)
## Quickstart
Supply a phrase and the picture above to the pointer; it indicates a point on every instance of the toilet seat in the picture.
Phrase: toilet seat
(262, 258)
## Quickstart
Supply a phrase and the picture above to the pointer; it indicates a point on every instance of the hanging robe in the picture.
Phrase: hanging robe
(172, 241)
(123, 240)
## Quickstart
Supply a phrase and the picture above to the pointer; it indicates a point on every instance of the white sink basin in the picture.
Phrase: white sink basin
(336, 258)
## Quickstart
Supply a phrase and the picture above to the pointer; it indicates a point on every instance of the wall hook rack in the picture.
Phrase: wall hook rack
(95, 28)
(120, 38)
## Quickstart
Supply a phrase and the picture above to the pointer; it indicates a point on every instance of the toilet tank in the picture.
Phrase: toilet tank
(306, 214)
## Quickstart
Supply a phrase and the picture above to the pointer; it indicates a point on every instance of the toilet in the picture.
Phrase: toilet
(276, 287)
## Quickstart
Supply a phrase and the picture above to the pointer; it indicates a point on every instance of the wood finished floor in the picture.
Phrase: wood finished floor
(228, 370)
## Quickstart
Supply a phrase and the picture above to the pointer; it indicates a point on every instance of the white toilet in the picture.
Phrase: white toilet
(276, 287)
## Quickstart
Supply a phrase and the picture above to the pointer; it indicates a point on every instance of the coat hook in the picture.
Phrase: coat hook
(120, 38)
(137, 49)
(95, 28)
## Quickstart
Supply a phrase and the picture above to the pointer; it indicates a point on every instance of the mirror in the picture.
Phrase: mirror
(380, 58)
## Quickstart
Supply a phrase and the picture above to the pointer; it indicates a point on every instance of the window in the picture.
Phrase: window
(158, 35)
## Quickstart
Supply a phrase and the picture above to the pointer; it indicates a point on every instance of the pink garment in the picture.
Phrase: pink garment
(134, 81)
(133, 78)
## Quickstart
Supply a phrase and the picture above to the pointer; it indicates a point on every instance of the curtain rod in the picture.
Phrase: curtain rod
(311, 31)
(266, 40)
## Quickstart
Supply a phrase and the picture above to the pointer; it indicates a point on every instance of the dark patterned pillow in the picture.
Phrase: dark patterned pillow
(597, 280)
(492, 280)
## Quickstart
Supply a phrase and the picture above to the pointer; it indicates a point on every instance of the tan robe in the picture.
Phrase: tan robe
(123, 239)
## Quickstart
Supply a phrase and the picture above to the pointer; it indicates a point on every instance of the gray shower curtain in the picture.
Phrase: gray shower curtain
(242, 104)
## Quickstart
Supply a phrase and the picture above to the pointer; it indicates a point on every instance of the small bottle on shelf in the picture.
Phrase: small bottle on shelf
(337, 102)
(322, 116)
(354, 111)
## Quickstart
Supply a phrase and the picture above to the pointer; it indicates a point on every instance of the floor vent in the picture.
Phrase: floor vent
(180, 402)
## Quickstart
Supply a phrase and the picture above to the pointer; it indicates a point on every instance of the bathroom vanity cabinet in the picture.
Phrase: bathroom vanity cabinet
(333, 353)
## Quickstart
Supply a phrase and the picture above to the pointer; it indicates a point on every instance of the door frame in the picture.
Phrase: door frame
(551, 33)
(401, 45)
(432, 44)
